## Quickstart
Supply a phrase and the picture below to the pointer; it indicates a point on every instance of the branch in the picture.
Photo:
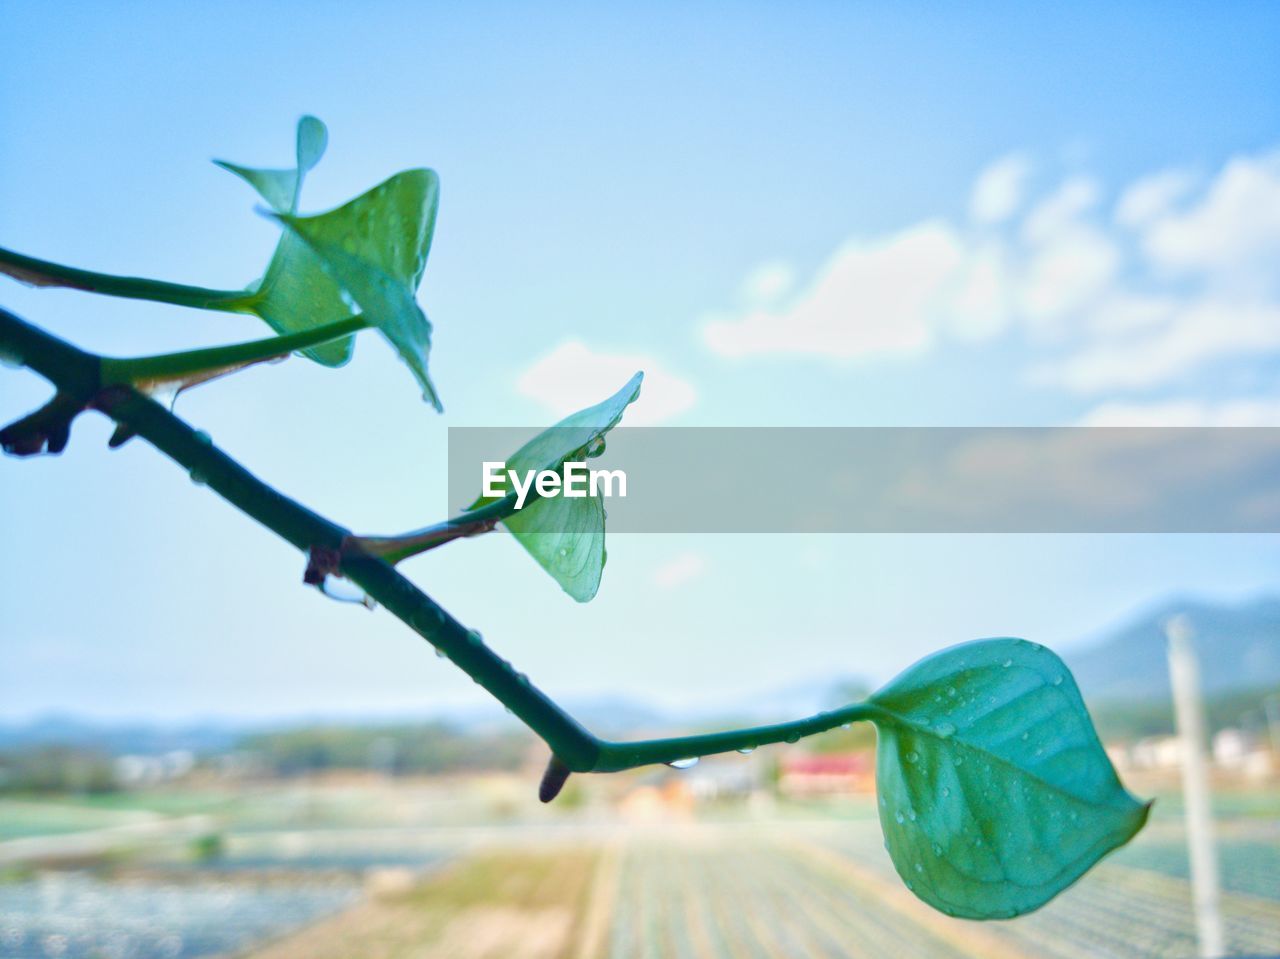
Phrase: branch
(79, 375)
(28, 269)
(148, 372)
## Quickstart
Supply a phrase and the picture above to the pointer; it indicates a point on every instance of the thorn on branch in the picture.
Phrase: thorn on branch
(47, 430)
(553, 780)
(121, 436)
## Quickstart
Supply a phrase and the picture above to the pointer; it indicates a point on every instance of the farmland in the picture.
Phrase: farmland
(471, 871)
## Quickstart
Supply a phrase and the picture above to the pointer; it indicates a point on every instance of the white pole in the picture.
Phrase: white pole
(1184, 673)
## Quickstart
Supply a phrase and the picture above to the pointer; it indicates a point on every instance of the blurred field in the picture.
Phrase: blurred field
(475, 869)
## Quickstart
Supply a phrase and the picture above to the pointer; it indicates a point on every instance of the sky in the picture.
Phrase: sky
(806, 214)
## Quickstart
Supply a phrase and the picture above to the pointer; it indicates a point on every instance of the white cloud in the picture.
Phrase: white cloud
(679, 570)
(1152, 197)
(573, 376)
(1235, 228)
(999, 189)
(1186, 412)
(869, 299)
(1193, 335)
(769, 281)
(1061, 211)
(1180, 273)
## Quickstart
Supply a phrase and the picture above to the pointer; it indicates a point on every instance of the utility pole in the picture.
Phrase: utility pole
(1184, 673)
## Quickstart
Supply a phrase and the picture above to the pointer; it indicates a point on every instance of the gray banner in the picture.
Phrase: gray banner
(919, 480)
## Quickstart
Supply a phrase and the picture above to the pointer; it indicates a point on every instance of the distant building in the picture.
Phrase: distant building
(826, 774)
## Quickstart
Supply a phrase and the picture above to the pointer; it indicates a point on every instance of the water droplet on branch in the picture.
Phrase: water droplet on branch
(344, 591)
(684, 763)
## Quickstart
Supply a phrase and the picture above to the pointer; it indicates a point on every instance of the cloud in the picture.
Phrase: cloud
(573, 376)
(769, 281)
(678, 571)
(1186, 412)
(1152, 197)
(1235, 227)
(999, 189)
(868, 299)
(1176, 274)
(1189, 336)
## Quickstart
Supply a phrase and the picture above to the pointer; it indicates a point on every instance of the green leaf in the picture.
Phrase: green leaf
(281, 188)
(296, 293)
(375, 248)
(566, 536)
(995, 793)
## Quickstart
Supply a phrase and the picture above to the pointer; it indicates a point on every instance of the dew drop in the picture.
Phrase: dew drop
(910, 887)
(946, 791)
(747, 750)
(344, 591)
(1025, 737)
(1057, 680)
(937, 850)
(951, 691)
(919, 867)
(688, 763)
(911, 814)
(958, 761)
(10, 358)
(426, 619)
(1007, 663)
(913, 757)
(198, 478)
(846, 725)
(899, 817)
(202, 437)
(563, 552)
(474, 637)
(945, 730)
(440, 653)
(793, 738)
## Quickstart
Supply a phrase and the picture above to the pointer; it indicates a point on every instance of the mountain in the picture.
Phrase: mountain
(116, 738)
(1238, 648)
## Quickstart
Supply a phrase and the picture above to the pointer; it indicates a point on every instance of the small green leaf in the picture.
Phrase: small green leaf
(566, 536)
(281, 188)
(375, 248)
(995, 793)
(296, 293)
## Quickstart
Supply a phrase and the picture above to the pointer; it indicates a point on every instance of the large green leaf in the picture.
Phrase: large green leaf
(995, 793)
(368, 254)
(566, 535)
(296, 293)
(375, 248)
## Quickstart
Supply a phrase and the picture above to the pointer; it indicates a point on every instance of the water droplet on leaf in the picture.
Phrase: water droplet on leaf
(684, 763)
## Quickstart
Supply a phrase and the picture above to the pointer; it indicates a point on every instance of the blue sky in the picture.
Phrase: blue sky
(810, 214)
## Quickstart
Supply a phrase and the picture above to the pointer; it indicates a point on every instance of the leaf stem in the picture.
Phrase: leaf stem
(484, 519)
(29, 269)
(75, 372)
(168, 367)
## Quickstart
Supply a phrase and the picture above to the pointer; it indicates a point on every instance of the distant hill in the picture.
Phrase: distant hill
(115, 738)
(1238, 647)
